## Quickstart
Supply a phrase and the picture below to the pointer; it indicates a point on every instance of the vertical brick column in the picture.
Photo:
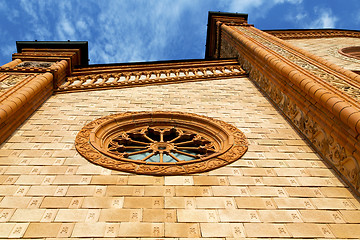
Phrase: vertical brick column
(22, 102)
(326, 116)
(13, 63)
(37, 69)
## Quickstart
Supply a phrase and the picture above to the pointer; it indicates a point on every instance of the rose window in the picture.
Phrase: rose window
(160, 143)
(352, 52)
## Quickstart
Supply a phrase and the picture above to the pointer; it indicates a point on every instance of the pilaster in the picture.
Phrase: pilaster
(26, 82)
(319, 98)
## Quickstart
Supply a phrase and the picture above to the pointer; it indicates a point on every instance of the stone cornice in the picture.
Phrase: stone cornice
(311, 86)
(108, 77)
(151, 66)
(215, 19)
(328, 118)
(313, 33)
(335, 79)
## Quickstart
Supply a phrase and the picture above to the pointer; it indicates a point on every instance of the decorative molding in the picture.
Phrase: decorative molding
(316, 33)
(345, 85)
(334, 69)
(106, 142)
(8, 81)
(324, 117)
(33, 69)
(139, 76)
(326, 144)
(334, 51)
(13, 63)
(20, 101)
(350, 52)
(29, 64)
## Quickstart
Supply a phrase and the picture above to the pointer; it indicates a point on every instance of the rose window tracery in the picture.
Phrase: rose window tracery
(160, 143)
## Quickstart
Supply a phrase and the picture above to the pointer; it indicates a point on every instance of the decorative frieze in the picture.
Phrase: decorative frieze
(347, 86)
(33, 64)
(326, 144)
(299, 89)
(7, 81)
(315, 33)
(119, 79)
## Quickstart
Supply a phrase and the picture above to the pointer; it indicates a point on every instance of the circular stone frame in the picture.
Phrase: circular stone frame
(228, 141)
(351, 52)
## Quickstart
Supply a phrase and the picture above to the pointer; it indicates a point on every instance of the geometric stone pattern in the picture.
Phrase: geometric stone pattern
(328, 48)
(279, 188)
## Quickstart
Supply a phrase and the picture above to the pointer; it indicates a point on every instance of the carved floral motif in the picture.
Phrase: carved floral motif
(35, 64)
(325, 144)
(10, 81)
(344, 86)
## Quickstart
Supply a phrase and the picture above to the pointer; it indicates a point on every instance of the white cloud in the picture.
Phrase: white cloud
(298, 16)
(244, 5)
(81, 24)
(6, 49)
(36, 16)
(325, 19)
(257, 8)
(288, 1)
(28, 7)
(129, 33)
(65, 29)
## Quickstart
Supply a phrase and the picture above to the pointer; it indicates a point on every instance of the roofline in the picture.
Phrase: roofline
(211, 14)
(81, 45)
(310, 29)
(228, 14)
(151, 62)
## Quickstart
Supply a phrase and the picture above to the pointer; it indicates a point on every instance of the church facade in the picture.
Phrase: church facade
(258, 140)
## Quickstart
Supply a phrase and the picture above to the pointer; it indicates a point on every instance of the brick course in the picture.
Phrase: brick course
(280, 185)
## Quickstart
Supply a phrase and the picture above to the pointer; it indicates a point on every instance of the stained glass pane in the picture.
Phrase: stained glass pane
(183, 157)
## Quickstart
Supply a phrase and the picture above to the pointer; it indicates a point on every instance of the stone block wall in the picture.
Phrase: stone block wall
(328, 48)
(280, 186)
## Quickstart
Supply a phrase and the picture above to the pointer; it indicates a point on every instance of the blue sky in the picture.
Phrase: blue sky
(150, 30)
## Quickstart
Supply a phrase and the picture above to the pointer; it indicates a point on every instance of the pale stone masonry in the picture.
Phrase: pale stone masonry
(296, 101)
(327, 48)
(279, 188)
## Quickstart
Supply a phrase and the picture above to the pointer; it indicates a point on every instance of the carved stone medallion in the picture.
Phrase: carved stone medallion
(160, 143)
